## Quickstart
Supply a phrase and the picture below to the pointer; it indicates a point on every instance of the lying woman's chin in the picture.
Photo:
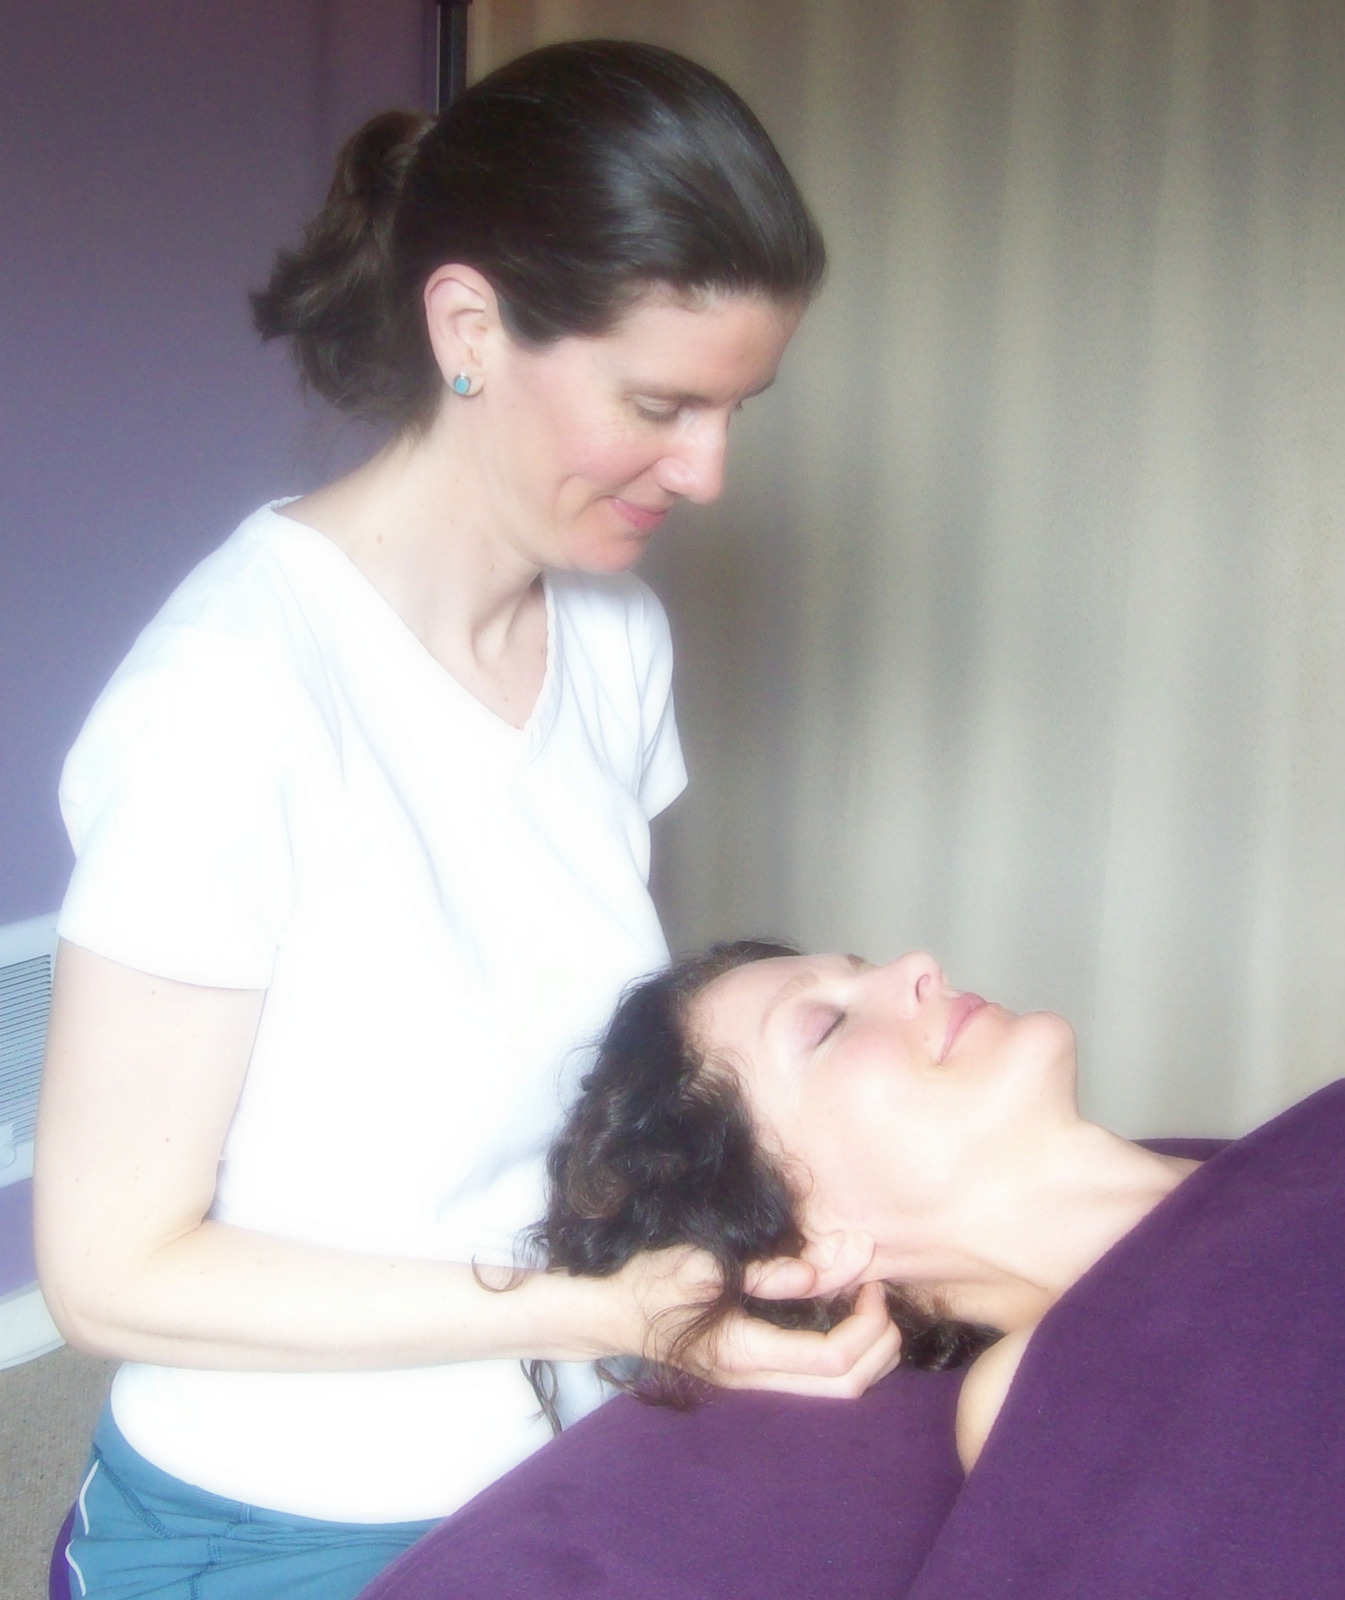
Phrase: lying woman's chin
(1055, 1049)
(1033, 1071)
(1045, 1039)
(1002, 1046)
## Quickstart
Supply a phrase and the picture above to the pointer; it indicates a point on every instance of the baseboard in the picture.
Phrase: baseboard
(26, 1328)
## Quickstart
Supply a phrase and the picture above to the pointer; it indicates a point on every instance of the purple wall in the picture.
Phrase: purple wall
(17, 1267)
(155, 153)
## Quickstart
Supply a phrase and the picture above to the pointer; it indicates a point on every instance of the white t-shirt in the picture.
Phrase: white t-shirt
(282, 789)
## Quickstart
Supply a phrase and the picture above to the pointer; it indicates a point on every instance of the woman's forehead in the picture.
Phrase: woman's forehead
(729, 330)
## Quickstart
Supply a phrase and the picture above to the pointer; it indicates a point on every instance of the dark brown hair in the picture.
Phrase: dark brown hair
(573, 179)
(659, 1150)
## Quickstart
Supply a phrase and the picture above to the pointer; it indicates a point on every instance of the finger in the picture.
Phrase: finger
(785, 1278)
(871, 1301)
(748, 1342)
(867, 1345)
(874, 1365)
(847, 1360)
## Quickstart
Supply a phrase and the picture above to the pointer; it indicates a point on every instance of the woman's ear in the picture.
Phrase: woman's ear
(839, 1259)
(462, 316)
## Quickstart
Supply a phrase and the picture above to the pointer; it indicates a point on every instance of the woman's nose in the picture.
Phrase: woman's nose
(693, 467)
(912, 979)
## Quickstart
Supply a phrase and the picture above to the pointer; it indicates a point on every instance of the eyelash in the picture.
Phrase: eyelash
(837, 1019)
(656, 413)
(651, 414)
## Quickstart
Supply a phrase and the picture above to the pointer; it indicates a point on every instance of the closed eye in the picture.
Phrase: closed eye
(669, 410)
(833, 1018)
(656, 411)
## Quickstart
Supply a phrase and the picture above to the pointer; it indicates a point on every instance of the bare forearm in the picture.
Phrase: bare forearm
(141, 1082)
(224, 1297)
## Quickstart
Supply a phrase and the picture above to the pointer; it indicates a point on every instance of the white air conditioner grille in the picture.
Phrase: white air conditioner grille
(25, 999)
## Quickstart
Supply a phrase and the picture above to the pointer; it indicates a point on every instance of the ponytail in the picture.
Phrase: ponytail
(335, 296)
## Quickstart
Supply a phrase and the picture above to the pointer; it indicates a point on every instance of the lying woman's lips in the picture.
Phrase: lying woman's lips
(959, 1014)
(642, 518)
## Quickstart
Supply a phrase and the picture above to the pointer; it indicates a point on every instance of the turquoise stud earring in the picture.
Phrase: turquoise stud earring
(462, 384)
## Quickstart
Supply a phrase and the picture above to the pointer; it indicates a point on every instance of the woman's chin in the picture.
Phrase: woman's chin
(616, 553)
(1053, 1031)
(1045, 1051)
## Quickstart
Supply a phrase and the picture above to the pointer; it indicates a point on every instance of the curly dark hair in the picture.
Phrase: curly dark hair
(659, 1150)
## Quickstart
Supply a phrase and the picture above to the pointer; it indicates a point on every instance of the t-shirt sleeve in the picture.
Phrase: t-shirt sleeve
(175, 797)
(663, 772)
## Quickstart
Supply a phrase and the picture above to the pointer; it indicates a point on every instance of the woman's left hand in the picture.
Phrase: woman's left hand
(743, 1352)
(747, 1353)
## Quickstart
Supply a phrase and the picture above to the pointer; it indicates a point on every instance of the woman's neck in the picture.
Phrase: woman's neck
(413, 519)
(1031, 1232)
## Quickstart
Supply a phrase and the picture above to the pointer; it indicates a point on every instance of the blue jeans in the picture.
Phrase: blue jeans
(141, 1534)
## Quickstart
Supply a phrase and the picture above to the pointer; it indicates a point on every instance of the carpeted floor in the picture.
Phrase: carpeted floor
(47, 1412)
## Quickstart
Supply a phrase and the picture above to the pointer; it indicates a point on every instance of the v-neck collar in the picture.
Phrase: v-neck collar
(332, 565)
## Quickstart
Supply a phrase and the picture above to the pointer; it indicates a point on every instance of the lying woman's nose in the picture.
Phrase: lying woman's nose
(913, 978)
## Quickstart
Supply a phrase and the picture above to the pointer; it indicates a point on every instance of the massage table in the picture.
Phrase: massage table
(1176, 1428)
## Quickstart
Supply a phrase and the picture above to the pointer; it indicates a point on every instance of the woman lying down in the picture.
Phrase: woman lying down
(1163, 1416)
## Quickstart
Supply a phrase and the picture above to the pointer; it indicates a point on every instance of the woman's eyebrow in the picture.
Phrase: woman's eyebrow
(787, 990)
(685, 397)
(809, 978)
(801, 982)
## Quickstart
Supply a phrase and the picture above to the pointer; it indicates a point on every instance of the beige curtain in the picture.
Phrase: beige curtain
(1020, 633)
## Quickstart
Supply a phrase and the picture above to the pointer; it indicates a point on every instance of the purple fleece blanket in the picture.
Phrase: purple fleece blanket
(751, 1496)
(1177, 1429)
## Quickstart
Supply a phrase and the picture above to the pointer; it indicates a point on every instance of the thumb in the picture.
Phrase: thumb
(784, 1278)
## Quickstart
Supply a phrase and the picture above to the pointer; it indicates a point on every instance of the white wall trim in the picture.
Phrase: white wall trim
(21, 941)
(26, 1328)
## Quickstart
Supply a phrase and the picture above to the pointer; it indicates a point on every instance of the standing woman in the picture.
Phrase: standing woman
(362, 839)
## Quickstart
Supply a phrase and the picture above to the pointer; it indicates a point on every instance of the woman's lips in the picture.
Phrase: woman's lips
(960, 1014)
(641, 518)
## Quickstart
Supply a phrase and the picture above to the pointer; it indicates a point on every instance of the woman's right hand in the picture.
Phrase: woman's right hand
(665, 1289)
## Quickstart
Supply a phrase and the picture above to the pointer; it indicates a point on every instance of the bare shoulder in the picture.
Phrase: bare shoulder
(983, 1392)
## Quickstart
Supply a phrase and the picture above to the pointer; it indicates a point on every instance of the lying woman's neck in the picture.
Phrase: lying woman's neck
(1091, 1191)
(1032, 1231)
